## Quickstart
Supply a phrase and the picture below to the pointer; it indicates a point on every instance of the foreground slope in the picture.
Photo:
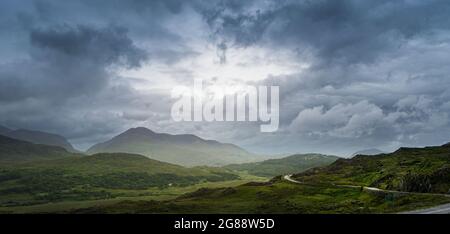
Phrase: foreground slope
(287, 165)
(407, 169)
(185, 150)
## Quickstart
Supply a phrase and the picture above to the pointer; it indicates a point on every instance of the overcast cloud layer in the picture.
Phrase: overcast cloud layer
(352, 74)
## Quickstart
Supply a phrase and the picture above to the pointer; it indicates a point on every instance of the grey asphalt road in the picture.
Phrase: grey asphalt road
(442, 209)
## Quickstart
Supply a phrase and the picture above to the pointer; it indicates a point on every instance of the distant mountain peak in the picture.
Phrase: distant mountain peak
(181, 149)
(139, 130)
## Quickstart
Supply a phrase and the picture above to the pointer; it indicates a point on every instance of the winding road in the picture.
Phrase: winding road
(441, 209)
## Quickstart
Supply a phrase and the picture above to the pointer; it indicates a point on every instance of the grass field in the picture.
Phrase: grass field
(120, 195)
(277, 197)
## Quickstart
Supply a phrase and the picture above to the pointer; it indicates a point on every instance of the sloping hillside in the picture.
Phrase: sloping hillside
(39, 137)
(407, 169)
(99, 176)
(12, 150)
(288, 165)
(367, 152)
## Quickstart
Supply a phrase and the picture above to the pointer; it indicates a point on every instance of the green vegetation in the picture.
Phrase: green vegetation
(40, 178)
(275, 197)
(38, 137)
(120, 195)
(95, 177)
(13, 151)
(288, 165)
(407, 169)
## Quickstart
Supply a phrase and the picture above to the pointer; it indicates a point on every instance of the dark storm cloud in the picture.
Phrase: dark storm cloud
(67, 61)
(376, 74)
(59, 61)
(102, 46)
(366, 59)
(67, 80)
(337, 31)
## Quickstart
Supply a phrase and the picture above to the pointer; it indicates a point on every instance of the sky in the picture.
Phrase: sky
(352, 74)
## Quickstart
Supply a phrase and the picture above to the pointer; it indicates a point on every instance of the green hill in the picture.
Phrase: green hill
(38, 137)
(185, 150)
(12, 150)
(114, 162)
(98, 176)
(34, 174)
(288, 165)
(407, 169)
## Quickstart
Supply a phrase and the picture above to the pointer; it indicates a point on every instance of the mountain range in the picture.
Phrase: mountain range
(13, 150)
(38, 137)
(184, 149)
